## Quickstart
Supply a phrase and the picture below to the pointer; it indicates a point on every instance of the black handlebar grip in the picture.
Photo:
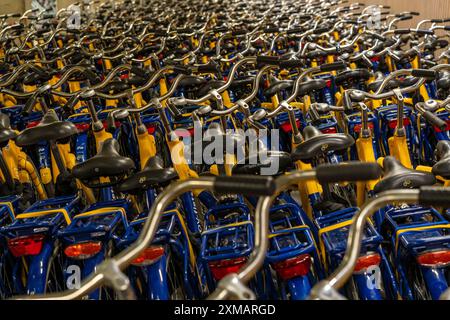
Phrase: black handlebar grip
(139, 71)
(402, 31)
(321, 30)
(47, 16)
(407, 17)
(446, 20)
(434, 120)
(182, 69)
(424, 32)
(239, 32)
(294, 30)
(15, 15)
(333, 66)
(306, 17)
(42, 31)
(437, 20)
(447, 28)
(350, 171)
(434, 196)
(185, 30)
(289, 64)
(73, 31)
(245, 184)
(208, 68)
(160, 33)
(271, 30)
(268, 60)
(424, 73)
(351, 21)
(415, 13)
(379, 37)
(17, 27)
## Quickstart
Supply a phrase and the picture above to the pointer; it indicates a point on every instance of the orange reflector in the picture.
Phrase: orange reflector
(435, 258)
(83, 250)
(148, 256)
(364, 262)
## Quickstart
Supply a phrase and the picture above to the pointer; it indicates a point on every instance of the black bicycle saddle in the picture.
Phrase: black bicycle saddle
(317, 143)
(397, 176)
(106, 163)
(50, 128)
(153, 174)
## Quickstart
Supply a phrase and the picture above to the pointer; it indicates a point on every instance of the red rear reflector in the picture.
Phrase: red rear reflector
(293, 267)
(364, 262)
(286, 127)
(221, 268)
(83, 250)
(435, 258)
(82, 126)
(148, 256)
(116, 124)
(26, 246)
(357, 127)
(329, 130)
(393, 123)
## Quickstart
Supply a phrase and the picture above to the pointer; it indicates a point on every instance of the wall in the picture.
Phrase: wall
(64, 3)
(427, 8)
(12, 6)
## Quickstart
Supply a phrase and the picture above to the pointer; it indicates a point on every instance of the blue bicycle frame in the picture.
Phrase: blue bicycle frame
(31, 241)
(415, 231)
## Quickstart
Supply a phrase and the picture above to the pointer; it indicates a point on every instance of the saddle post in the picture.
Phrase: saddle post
(60, 163)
